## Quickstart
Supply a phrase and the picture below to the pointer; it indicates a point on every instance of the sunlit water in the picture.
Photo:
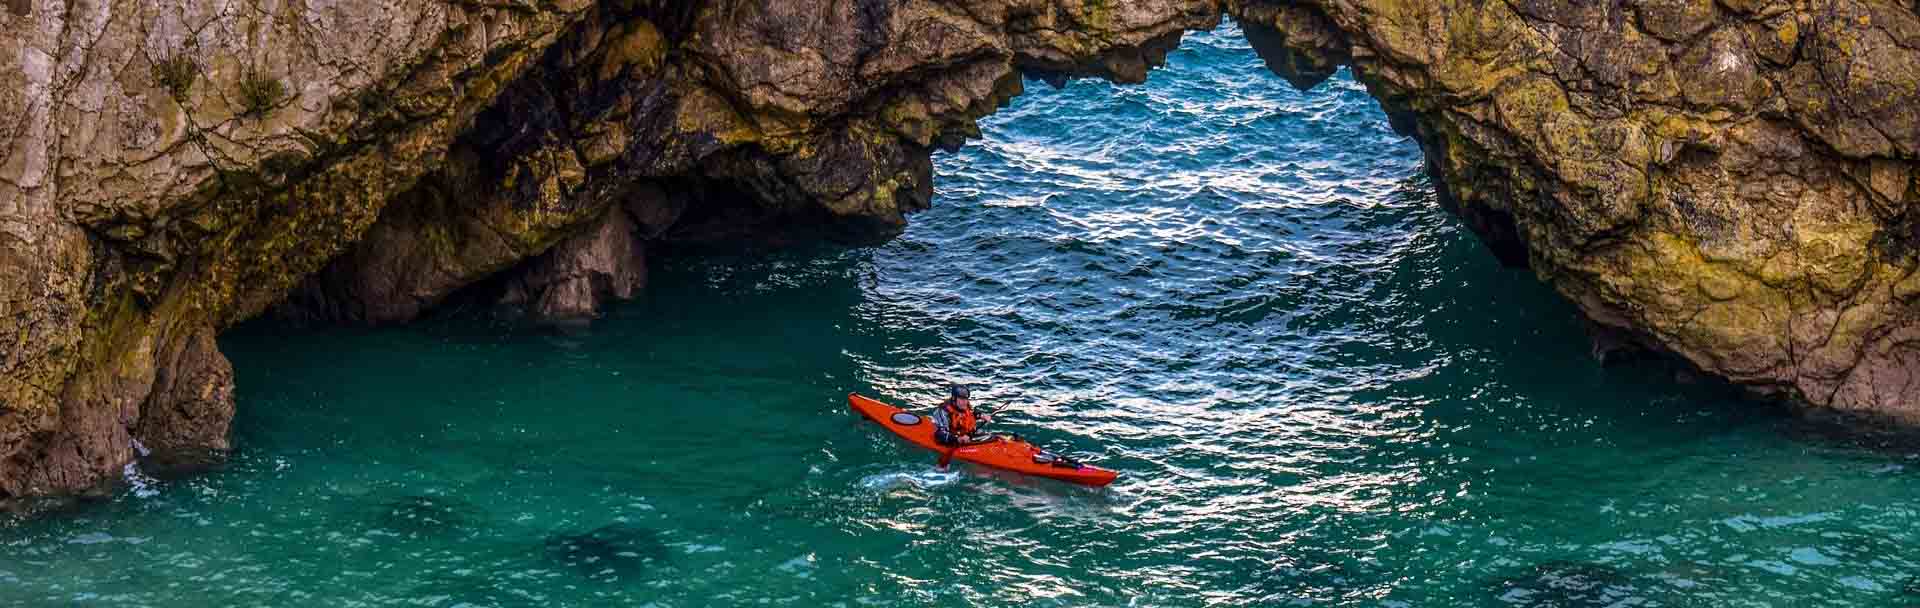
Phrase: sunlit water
(1322, 391)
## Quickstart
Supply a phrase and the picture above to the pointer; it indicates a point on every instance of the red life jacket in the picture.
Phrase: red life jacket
(960, 421)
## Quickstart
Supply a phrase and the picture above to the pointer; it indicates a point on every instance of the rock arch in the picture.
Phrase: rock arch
(1729, 182)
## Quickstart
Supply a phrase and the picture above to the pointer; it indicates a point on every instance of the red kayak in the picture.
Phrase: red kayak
(1003, 452)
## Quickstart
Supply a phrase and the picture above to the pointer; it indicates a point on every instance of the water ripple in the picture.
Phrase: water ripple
(1321, 390)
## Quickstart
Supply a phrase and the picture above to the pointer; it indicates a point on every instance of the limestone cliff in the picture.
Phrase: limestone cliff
(1732, 182)
(172, 167)
(1728, 182)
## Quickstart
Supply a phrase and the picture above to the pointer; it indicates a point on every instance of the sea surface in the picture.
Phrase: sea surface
(1321, 389)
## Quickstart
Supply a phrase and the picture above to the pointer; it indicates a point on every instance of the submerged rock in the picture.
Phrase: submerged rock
(608, 553)
(1563, 584)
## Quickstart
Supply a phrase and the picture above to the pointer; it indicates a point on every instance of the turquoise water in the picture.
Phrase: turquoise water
(1322, 391)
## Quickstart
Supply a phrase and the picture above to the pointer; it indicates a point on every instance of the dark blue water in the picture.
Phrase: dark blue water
(1321, 389)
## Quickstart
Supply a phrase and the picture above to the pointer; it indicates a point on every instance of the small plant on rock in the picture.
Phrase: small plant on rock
(259, 93)
(176, 74)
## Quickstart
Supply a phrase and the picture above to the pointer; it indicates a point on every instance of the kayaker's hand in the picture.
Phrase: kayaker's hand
(985, 419)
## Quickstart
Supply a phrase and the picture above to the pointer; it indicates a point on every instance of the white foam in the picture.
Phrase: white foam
(921, 478)
(141, 485)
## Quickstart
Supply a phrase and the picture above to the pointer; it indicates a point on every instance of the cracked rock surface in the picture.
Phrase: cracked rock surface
(168, 168)
(1726, 181)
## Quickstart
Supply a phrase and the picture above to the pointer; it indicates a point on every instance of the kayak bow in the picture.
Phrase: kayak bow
(1001, 453)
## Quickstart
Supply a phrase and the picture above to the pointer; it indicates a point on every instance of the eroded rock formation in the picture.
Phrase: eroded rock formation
(173, 167)
(1733, 182)
(760, 122)
(1726, 181)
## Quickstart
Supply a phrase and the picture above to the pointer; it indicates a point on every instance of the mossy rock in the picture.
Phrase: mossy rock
(176, 74)
(260, 93)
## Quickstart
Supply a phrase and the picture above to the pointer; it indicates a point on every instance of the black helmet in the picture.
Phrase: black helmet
(959, 391)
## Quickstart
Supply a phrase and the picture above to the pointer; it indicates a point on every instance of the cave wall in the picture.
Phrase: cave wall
(173, 167)
(742, 123)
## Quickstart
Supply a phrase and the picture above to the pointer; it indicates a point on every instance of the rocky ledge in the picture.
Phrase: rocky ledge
(1725, 182)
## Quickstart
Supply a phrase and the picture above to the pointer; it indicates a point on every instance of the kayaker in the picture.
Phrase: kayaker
(955, 422)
